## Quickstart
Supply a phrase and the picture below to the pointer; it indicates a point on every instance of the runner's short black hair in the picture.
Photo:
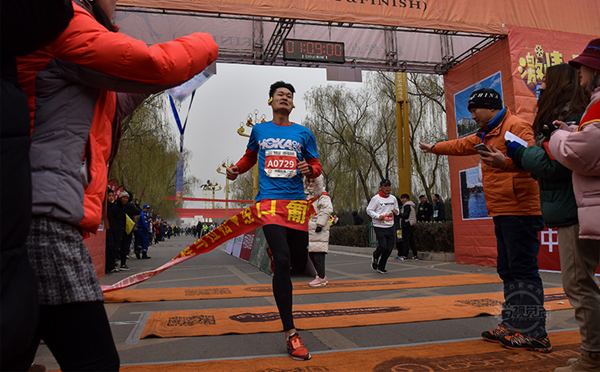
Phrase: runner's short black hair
(280, 84)
(404, 196)
(437, 196)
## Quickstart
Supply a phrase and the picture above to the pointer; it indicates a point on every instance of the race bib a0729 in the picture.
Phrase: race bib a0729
(281, 163)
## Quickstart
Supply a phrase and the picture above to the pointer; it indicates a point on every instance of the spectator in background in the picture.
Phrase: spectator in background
(128, 211)
(150, 231)
(425, 210)
(143, 233)
(157, 232)
(577, 149)
(382, 209)
(357, 218)
(399, 240)
(199, 229)
(512, 199)
(408, 220)
(111, 247)
(318, 227)
(439, 209)
(163, 230)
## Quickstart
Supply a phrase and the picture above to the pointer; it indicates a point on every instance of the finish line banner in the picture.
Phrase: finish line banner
(289, 213)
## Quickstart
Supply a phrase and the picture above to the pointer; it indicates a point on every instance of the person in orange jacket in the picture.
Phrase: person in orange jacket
(512, 199)
(75, 114)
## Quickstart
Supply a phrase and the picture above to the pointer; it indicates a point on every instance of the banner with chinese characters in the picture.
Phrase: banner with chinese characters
(289, 213)
(532, 51)
(514, 66)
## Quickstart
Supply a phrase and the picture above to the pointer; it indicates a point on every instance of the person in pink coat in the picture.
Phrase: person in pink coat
(577, 149)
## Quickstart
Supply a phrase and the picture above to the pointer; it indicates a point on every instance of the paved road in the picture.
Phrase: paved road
(217, 268)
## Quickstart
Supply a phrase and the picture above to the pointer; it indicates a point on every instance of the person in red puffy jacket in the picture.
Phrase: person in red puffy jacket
(75, 114)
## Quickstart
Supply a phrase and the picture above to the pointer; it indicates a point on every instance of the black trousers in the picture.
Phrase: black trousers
(79, 336)
(386, 237)
(318, 260)
(290, 249)
(124, 251)
(18, 291)
(408, 239)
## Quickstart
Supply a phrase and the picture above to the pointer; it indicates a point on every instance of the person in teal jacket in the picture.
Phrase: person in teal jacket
(562, 99)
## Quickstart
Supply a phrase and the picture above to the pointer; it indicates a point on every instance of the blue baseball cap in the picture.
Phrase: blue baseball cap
(146, 206)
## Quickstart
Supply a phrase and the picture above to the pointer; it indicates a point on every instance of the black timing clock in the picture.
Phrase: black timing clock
(313, 51)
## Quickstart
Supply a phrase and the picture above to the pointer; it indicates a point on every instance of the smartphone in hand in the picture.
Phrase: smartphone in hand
(482, 147)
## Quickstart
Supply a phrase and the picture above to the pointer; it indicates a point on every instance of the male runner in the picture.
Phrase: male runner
(286, 152)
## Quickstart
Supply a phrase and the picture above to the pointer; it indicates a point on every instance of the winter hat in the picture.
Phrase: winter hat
(485, 98)
(123, 194)
(590, 56)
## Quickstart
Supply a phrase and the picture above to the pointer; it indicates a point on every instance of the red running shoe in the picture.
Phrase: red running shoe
(296, 348)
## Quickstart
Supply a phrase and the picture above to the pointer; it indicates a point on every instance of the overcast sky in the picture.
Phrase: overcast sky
(225, 101)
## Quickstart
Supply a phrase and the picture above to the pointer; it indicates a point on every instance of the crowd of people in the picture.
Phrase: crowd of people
(560, 153)
(51, 291)
(131, 230)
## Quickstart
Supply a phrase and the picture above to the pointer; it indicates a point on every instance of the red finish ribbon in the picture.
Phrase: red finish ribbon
(289, 213)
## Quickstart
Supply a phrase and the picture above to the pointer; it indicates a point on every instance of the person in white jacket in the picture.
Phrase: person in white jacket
(318, 227)
(382, 209)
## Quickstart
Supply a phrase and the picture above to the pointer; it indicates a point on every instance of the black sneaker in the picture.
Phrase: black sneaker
(496, 334)
(523, 342)
(137, 254)
(374, 263)
(382, 271)
(124, 267)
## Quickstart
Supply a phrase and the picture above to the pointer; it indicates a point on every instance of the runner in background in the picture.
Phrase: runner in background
(286, 152)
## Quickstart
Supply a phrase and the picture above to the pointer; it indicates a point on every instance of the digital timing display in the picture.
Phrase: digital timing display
(314, 51)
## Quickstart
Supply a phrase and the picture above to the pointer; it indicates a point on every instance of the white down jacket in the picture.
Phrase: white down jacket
(318, 241)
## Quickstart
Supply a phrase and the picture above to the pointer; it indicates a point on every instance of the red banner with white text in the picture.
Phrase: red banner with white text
(289, 213)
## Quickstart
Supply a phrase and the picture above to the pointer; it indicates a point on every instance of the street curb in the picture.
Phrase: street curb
(365, 251)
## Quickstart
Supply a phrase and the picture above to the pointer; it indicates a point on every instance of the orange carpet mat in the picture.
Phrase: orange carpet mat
(465, 356)
(210, 322)
(242, 291)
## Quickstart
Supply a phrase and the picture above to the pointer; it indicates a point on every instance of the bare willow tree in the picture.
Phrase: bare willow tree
(147, 157)
(242, 188)
(355, 133)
